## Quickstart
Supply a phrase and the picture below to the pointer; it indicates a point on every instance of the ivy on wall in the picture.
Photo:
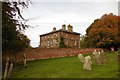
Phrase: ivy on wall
(62, 44)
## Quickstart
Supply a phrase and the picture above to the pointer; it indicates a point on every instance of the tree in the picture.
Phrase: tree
(12, 26)
(82, 42)
(104, 32)
(13, 40)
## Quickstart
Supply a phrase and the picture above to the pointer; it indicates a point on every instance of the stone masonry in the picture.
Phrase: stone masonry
(52, 39)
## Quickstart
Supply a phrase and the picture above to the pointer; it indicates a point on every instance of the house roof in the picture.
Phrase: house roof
(60, 30)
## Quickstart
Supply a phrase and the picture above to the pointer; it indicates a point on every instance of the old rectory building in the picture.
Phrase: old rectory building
(53, 39)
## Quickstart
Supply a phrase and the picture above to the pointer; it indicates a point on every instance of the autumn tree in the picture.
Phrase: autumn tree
(104, 32)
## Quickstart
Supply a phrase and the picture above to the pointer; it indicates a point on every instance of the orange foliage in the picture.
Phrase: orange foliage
(104, 32)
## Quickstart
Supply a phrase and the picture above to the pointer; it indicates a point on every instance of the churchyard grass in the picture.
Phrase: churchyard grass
(67, 67)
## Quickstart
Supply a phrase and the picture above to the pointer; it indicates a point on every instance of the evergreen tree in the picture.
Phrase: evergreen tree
(12, 38)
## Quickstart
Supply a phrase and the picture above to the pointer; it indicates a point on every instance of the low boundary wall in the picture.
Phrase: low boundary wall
(42, 53)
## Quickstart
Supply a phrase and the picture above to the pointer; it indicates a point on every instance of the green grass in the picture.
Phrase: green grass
(68, 67)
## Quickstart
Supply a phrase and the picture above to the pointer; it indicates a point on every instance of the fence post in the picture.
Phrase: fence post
(10, 70)
(6, 68)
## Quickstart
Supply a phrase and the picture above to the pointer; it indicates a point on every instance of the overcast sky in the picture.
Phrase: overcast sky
(44, 15)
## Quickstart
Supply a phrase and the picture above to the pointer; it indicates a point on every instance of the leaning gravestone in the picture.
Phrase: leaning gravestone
(118, 57)
(24, 61)
(81, 58)
(103, 56)
(100, 57)
(97, 57)
(87, 63)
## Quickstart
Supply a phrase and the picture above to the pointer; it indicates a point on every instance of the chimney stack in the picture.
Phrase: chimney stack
(54, 29)
(64, 27)
(70, 28)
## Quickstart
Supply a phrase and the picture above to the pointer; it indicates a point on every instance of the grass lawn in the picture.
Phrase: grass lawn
(68, 67)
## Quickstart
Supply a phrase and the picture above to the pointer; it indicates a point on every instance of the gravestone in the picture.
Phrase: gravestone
(97, 57)
(103, 56)
(100, 57)
(118, 57)
(88, 63)
(112, 48)
(24, 61)
(81, 58)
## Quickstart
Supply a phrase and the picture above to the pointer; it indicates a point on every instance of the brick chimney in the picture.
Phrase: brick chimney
(64, 27)
(70, 28)
(54, 29)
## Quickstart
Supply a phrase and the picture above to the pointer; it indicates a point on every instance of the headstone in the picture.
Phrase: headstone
(103, 55)
(112, 48)
(97, 57)
(94, 52)
(118, 57)
(88, 63)
(81, 58)
(100, 57)
(24, 61)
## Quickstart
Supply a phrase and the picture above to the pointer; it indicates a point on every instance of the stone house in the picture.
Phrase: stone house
(52, 39)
